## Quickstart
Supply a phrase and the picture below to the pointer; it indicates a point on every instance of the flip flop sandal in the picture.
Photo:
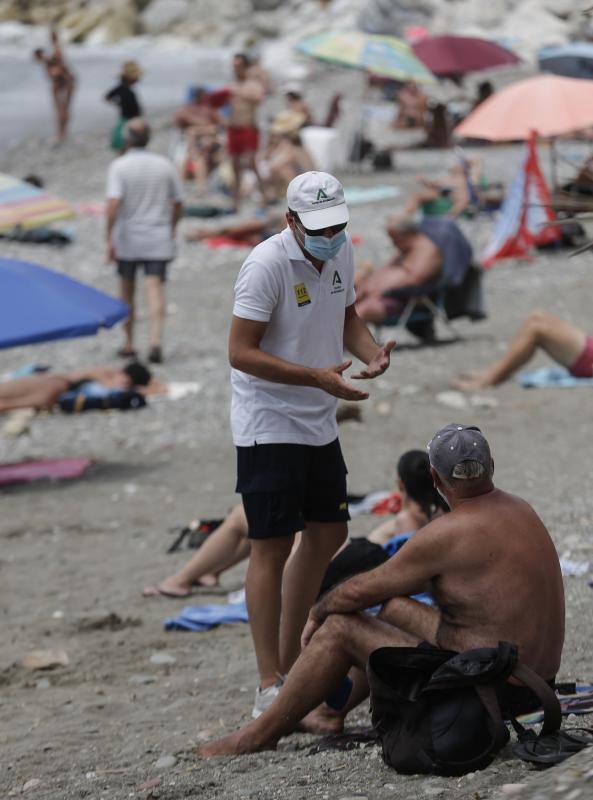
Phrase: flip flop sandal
(546, 751)
(125, 353)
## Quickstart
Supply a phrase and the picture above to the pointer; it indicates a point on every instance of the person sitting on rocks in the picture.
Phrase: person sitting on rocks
(249, 232)
(42, 391)
(431, 253)
(568, 345)
(482, 577)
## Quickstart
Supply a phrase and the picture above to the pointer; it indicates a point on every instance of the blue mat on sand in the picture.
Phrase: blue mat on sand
(355, 195)
(203, 618)
(552, 377)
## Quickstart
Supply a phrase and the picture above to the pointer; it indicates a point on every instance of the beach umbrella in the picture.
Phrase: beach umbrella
(25, 206)
(38, 305)
(386, 56)
(548, 104)
(574, 60)
(458, 55)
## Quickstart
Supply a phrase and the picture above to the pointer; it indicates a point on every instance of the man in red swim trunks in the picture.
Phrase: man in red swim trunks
(246, 95)
(565, 343)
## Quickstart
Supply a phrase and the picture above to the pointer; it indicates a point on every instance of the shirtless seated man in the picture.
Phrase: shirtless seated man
(485, 563)
(568, 345)
(426, 251)
(41, 391)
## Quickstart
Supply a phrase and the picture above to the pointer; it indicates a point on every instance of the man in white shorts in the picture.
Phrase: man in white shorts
(293, 316)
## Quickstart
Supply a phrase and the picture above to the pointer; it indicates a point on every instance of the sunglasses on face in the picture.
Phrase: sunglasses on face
(320, 231)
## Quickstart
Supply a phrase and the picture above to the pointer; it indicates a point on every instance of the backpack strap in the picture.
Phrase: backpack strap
(545, 694)
(487, 695)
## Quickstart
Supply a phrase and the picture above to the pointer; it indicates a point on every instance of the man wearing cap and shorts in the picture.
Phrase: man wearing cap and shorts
(292, 318)
(494, 575)
(568, 345)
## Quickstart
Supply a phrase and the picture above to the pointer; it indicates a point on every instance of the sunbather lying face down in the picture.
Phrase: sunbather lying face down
(565, 343)
(42, 391)
(490, 566)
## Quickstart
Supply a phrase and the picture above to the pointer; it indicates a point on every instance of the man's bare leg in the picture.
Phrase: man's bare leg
(263, 590)
(33, 391)
(372, 309)
(400, 613)
(252, 163)
(237, 176)
(155, 295)
(225, 547)
(342, 641)
(127, 290)
(301, 582)
(559, 339)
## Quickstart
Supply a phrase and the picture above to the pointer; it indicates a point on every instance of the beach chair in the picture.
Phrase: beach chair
(439, 301)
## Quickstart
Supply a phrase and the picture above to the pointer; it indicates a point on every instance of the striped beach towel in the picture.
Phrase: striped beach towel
(25, 206)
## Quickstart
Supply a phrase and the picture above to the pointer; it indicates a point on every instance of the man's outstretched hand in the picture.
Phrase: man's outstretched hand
(378, 363)
(331, 381)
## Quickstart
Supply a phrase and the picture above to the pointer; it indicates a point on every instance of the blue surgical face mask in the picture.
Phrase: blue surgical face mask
(322, 248)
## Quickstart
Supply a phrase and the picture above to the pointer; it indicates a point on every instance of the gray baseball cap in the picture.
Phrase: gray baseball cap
(456, 443)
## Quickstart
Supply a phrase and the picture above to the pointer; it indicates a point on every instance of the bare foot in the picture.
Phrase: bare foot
(235, 744)
(322, 720)
(170, 587)
(470, 381)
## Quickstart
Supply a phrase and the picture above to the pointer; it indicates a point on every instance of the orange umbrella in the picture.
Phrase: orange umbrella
(548, 104)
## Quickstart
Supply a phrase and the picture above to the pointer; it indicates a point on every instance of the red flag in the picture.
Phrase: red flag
(525, 215)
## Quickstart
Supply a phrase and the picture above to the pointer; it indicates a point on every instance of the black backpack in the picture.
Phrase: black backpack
(438, 712)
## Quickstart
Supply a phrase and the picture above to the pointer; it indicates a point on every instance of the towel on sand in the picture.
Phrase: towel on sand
(552, 377)
(203, 618)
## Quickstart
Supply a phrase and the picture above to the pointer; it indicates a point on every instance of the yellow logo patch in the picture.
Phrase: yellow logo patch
(301, 294)
(343, 506)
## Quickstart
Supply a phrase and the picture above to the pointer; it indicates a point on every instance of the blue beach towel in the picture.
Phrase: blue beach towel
(203, 618)
(551, 377)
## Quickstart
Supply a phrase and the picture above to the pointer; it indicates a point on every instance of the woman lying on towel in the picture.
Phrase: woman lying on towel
(42, 391)
(568, 345)
(228, 544)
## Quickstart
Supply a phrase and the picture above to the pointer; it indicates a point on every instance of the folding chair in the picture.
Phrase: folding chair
(422, 305)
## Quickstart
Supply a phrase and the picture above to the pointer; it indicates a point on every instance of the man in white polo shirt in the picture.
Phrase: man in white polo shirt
(293, 316)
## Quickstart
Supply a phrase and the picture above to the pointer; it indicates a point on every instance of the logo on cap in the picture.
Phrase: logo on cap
(322, 197)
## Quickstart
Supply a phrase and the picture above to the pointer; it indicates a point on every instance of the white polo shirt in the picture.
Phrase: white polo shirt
(304, 309)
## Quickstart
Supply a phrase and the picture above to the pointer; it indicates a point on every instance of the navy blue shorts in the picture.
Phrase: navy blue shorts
(127, 269)
(284, 486)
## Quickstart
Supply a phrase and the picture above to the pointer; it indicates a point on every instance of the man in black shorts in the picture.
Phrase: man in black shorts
(293, 315)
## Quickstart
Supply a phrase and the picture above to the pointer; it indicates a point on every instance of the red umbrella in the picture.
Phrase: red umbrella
(456, 55)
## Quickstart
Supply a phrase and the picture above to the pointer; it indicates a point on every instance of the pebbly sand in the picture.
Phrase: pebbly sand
(75, 555)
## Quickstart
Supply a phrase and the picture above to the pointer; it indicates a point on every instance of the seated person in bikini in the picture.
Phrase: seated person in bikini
(228, 544)
(480, 573)
(42, 391)
(568, 345)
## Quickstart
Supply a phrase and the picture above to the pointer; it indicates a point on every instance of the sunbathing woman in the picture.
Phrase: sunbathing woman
(568, 345)
(62, 82)
(228, 544)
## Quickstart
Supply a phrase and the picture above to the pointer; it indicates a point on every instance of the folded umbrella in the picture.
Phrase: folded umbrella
(573, 60)
(38, 305)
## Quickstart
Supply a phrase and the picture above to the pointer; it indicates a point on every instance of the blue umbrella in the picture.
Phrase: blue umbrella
(574, 60)
(38, 305)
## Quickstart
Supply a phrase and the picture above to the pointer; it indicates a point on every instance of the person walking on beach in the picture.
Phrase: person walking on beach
(125, 98)
(292, 317)
(144, 204)
(62, 82)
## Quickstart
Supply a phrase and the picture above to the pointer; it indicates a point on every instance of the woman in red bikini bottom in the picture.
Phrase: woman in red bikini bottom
(566, 344)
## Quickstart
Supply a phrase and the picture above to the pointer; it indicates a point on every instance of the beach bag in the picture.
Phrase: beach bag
(437, 712)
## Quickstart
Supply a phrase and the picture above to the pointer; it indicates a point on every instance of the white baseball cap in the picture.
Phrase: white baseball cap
(318, 199)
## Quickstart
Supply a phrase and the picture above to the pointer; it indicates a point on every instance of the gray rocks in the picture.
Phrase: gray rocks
(165, 762)
(160, 15)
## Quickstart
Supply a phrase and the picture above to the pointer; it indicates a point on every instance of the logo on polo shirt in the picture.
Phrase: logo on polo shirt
(336, 283)
(301, 294)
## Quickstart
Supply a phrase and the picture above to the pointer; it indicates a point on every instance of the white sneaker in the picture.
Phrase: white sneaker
(265, 697)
